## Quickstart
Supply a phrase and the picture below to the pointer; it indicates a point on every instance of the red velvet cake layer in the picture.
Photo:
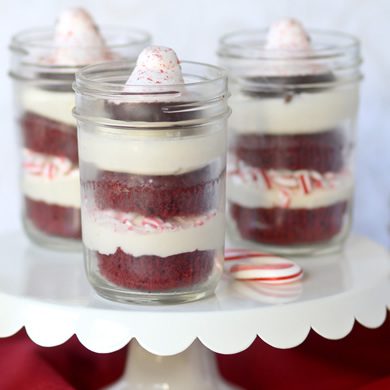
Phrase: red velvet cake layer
(54, 220)
(191, 193)
(321, 152)
(154, 273)
(279, 226)
(43, 135)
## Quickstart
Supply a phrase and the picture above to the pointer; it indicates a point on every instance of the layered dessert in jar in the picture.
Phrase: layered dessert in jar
(294, 102)
(44, 63)
(152, 149)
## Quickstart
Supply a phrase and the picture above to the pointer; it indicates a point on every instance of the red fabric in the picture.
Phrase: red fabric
(360, 361)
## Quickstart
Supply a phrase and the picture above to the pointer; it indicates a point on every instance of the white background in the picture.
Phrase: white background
(192, 28)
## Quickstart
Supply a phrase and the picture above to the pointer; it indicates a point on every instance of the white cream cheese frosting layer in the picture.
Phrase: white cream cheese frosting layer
(150, 156)
(105, 233)
(305, 113)
(50, 179)
(56, 106)
(62, 191)
(295, 190)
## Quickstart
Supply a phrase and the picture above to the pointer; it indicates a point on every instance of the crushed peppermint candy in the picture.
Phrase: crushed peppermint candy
(50, 167)
(285, 183)
(145, 225)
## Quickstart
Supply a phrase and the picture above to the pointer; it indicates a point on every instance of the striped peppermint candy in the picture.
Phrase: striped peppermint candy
(269, 293)
(262, 267)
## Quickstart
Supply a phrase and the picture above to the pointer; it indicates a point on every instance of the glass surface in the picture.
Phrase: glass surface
(44, 100)
(290, 178)
(152, 169)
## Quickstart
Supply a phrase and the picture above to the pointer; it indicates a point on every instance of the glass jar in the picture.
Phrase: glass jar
(290, 177)
(152, 168)
(44, 100)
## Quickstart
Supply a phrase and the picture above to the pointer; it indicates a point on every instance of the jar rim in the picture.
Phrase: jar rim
(230, 49)
(28, 38)
(99, 86)
(203, 95)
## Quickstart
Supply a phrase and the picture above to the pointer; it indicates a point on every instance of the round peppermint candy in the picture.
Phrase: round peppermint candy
(268, 293)
(262, 267)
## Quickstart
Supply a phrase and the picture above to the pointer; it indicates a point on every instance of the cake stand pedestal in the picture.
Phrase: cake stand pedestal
(48, 294)
(193, 369)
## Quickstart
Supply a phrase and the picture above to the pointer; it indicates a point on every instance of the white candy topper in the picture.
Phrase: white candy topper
(287, 39)
(77, 40)
(287, 34)
(157, 65)
(262, 267)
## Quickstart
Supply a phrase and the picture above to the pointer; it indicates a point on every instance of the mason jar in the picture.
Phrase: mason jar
(48, 139)
(152, 169)
(290, 172)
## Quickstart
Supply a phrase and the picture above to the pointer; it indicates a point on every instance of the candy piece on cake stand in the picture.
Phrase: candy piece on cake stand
(262, 267)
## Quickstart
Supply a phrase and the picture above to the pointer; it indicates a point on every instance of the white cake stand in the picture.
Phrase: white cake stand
(47, 292)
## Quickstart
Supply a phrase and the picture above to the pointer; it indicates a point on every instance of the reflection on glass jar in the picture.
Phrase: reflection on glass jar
(290, 175)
